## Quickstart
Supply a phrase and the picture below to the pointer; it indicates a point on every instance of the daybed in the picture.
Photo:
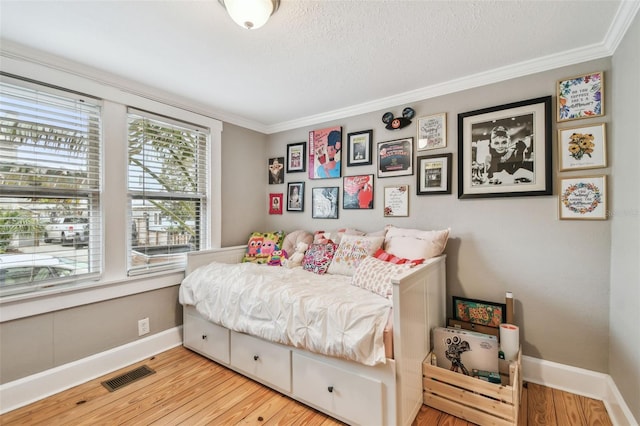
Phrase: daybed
(285, 348)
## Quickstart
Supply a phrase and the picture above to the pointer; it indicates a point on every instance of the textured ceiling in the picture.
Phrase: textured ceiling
(313, 60)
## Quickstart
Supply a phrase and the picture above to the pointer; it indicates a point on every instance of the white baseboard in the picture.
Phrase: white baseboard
(581, 382)
(37, 386)
(46, 383)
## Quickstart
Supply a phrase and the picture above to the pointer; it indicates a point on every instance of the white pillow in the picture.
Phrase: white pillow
(352, 249)
(415, 243)
(375, 275)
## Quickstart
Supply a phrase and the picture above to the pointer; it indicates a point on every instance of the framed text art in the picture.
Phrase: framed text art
(583, 198)
(275, 203)
(296, 157)
(396, 201)
(505, 151)
(295, 196)
(395, 158)
(434, 174)
(582, 147)
(276, 170)
(581, 97)
(432, 132)
(325, 148)
(324, 202)
(359, 145)
(357, 192)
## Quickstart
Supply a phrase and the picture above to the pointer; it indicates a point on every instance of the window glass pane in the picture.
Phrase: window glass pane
(50, 217)
(167, 190)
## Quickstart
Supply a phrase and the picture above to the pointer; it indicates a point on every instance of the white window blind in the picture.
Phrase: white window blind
(50, 215)
(167, 184)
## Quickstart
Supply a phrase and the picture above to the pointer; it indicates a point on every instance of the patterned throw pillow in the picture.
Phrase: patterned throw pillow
(352, 249)
(391, 258)
(318, 257)
(375, 275)
(261, 245)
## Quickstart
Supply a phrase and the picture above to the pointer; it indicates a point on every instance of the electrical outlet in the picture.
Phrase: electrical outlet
(143, 326)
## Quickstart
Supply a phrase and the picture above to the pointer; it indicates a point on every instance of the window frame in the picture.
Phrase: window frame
(116, 97)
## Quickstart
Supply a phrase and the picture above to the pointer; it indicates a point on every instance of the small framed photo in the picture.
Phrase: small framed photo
(295, 197)
(325, 153)
(297, 157)
(505, 151)
(582, 147)
(432, 132)
(396, 201)
(583, 198)
(275, 203)
(479, 311)
(276, 170)
(357, 192)
(324, 202)
(581, 97)
(359, 146)
(434, 174)
(395, 158)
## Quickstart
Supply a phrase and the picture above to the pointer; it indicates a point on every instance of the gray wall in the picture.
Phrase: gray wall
(624, 340)
(557, 270)
(34, 344)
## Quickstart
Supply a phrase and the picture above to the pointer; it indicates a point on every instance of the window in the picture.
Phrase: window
(167, 184)
(50, 220)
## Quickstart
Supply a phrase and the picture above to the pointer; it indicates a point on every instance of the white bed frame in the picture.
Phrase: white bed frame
(386, 394)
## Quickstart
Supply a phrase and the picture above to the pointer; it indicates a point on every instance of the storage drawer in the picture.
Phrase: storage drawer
(263, 360)
(205, 337)
(353, 397)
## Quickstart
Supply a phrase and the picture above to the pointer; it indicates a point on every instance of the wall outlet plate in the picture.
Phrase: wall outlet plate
(143, 326)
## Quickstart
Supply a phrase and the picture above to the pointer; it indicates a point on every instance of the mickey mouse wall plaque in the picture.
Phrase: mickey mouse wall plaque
(394, 123)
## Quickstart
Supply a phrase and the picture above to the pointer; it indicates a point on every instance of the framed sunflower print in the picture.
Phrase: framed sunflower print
(582, 148)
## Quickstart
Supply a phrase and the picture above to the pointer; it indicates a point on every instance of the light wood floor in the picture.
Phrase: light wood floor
(188, 389)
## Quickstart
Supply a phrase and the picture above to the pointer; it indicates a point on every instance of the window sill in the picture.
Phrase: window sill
(31, 304)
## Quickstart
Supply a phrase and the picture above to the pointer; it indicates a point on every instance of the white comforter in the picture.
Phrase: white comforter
(321, 313)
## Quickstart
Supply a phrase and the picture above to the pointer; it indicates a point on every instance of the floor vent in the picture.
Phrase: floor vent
(127, 378)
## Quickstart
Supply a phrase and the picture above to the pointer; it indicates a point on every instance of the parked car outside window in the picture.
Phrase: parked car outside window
(18, 269)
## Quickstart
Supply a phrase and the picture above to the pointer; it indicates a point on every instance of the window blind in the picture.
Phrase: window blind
(50, 215)
(167, 185)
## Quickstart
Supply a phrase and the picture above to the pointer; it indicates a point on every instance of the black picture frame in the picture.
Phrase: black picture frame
(324, 202)
(517, 169)
(395, 158)
(434, 174)
(295, 196)
(275, 170)
(297, 157)
(358, 192)
(481, 312)
(359, 147)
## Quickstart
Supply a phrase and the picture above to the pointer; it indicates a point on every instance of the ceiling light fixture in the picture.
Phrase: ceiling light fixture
(250, 14)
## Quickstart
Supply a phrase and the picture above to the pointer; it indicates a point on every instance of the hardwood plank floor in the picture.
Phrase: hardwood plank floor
(188, 389)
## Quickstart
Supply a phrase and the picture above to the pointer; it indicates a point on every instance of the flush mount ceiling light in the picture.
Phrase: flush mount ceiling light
(250, 14)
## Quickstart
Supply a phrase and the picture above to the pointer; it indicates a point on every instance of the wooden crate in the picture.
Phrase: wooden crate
(473, 399)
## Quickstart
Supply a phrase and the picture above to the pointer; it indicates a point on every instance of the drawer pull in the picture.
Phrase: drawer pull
(204, 337)
(330, 388)
(255, 357)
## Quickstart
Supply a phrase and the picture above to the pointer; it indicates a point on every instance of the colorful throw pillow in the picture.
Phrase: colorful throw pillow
(352, 249)
(375, 275)
(391, 258)
(318, 257)
(261, 246)
(415, 243)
